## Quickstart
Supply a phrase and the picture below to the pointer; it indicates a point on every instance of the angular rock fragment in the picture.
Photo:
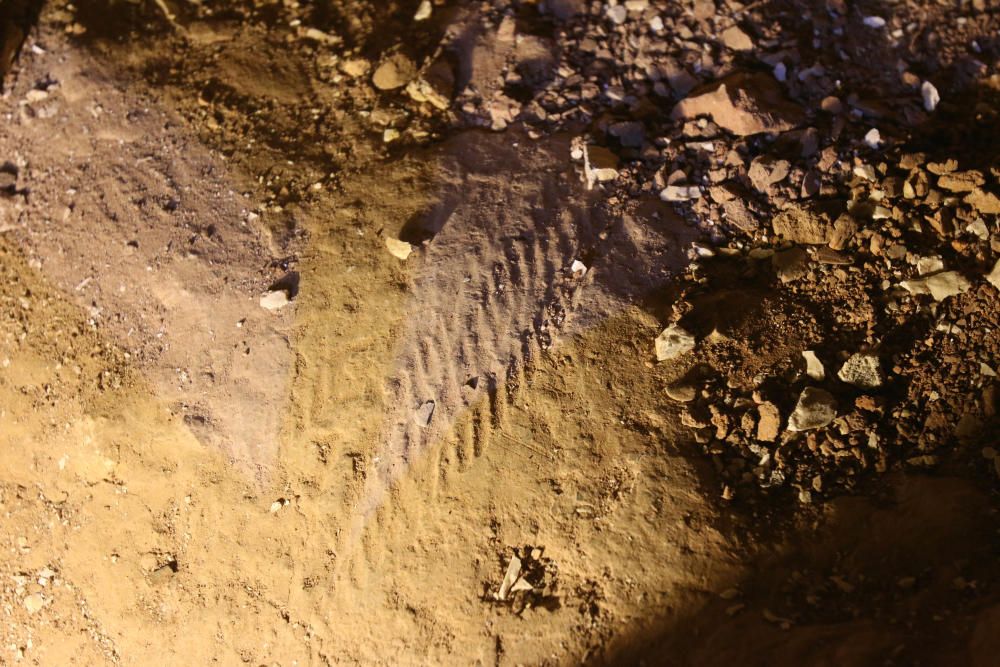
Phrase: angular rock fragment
(801, 225)
(961, 181)
(275, 300)
(355, 67)
(398, 249)
(680, 192)
(765, 172)
(937, 168)
(394, 72)
(814, 367)
(509, 577)
(769, 424)
(740, 216)
(424, 414)
(929, 265)
(736, 39)
(742, 103)
(986, 203)
(993, 277)
(424, 11)
(435, 85)
(844, 229)
(873, 139)
(673, 342)
(816, 408)
(862, 370)
(940, 285)
(600, 164)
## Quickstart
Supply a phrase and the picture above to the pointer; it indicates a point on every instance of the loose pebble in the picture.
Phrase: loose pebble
(862, 370)
(275, 300)
(814, 367)
(398, 249)
(930, 96)
(816, 408)
(673, 342)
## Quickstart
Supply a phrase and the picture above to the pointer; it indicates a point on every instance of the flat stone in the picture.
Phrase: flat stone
(862, 370)
(395, 72)
(275, 300)
(941, 168)
(800, 225)
(424, 414)
(355, 67)
(33, 603)
(816, 408)
(986, 203)
(680, 192)
(436, 85)
(827, 255)
(940, 285)
(929, 265)
(814, 367)
(398, 249)
(765, 172)
(738, 215)
(736, 39)
(682, 393)
(961, 181)
(742, 103)
(673, 342)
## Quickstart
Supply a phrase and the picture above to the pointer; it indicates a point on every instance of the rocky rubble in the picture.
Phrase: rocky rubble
(843, 185)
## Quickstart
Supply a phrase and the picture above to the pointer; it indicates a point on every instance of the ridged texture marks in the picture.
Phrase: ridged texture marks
(489, 292)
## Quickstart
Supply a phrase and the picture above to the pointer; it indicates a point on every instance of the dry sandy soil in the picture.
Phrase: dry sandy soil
(327, 333)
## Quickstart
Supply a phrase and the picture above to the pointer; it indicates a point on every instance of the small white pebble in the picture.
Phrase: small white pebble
(617, 14)
(930, 95)
(874, 138)
(874, 22)
(780, 72)
(423, 11)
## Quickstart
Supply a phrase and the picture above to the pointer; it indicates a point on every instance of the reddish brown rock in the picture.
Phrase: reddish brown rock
(770, 422)
(986, 203)
(961, 181)
(800, 225)
(844, 229)
(742, 103)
